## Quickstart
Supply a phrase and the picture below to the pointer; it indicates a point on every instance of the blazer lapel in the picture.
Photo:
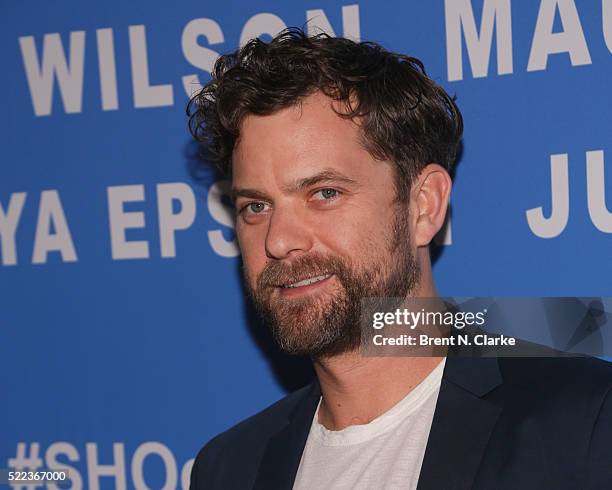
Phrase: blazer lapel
(463, 421)
(462, 424)
(283, 452)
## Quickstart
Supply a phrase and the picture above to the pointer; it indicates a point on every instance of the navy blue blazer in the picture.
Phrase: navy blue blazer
(499, 423)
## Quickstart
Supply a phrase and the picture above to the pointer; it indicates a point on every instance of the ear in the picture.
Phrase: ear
(429, 202)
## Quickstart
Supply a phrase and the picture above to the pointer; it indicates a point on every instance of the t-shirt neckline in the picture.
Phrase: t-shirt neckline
(357, 434)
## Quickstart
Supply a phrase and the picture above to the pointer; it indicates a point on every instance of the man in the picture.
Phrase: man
(339, 155)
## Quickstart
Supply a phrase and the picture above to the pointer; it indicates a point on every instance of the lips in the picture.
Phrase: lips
(305, 282)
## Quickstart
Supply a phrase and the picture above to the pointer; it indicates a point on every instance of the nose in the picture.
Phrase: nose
(288, 235)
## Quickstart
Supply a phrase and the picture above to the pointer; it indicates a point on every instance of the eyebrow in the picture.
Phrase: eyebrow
(327, 176)
(250, 193)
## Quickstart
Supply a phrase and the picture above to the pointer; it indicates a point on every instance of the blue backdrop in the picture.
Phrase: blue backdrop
(124, 341)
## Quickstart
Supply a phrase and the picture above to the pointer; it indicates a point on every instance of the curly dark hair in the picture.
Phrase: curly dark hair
(404, 116)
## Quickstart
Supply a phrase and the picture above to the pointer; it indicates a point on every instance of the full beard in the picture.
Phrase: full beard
(329, 325)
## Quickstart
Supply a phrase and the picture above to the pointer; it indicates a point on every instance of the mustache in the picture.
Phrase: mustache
(277, 273)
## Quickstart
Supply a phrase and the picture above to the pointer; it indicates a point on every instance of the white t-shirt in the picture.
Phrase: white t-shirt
(386, 453)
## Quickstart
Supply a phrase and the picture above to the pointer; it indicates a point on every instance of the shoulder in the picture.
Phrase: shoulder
(558, 373)
(563, 404)
(267, 421)
(242, 446)
(564, 393)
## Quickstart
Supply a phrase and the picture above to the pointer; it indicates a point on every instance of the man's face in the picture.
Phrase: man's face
(318, 226)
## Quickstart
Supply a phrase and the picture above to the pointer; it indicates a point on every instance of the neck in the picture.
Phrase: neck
(358, 389)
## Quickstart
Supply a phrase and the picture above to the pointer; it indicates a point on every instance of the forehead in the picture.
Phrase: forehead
(300, 141)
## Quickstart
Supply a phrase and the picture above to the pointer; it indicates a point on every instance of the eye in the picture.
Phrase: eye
(326, 194)
(256, 207)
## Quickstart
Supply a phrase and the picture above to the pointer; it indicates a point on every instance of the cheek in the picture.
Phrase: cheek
(351, 236)
(252, 251)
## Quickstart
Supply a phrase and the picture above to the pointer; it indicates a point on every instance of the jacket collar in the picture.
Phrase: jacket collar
(463, 421)
(281, 458)
(462, 424)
